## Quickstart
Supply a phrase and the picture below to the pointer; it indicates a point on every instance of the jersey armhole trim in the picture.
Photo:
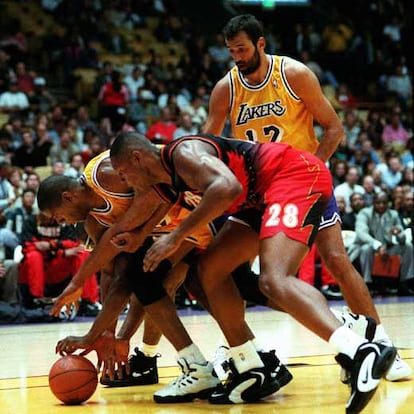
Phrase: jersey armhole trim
(285, 81)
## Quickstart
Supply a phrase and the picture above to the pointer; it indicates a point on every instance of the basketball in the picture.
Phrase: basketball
(73, 379)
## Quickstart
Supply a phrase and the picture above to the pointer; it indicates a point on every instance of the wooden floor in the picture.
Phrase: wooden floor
(27, 352)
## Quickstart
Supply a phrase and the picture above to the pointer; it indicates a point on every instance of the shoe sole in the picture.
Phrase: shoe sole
(382, 365)
(171, 399)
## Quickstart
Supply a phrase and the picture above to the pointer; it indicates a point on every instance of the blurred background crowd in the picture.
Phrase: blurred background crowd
(75, 72)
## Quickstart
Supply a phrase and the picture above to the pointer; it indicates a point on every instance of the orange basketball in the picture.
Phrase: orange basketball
(73, 379)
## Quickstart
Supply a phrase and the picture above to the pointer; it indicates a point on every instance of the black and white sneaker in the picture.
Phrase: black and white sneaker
(371, 362)
(143, 371)
(250, 386)
(362, 325)
(272, 362)
(196, 382)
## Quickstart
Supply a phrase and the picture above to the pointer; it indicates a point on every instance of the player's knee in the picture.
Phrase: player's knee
(272, 286)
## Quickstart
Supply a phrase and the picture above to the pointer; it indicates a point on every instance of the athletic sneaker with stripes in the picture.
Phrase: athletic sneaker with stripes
(372, 360)
(270, 360)
(365, 326)
(143, 371)
(252, 385)
(196, 382)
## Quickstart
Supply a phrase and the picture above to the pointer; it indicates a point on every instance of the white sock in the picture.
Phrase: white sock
(149, 350)
(346, 341)
(245, 357)
(380, 334)
(258, 345)
(192, 354)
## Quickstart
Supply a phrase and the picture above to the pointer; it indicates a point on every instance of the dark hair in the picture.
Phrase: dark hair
(125, 142)
(51, 188)
(29, 190)
(244, 23)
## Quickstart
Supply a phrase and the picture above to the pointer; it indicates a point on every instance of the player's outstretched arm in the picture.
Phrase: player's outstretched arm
(141, 211)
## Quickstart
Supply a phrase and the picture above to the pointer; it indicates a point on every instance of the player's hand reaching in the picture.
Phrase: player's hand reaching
(116, 358)
(129, 241)
(162, 248)
(70, 295)
(70, 344)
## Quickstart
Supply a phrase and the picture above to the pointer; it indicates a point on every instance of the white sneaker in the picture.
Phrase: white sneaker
(221, 362)
(399, 370)
(196, 382)
(362, 325)
(365, 326)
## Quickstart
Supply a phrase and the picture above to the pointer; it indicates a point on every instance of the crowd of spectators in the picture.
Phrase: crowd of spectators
(360, 57)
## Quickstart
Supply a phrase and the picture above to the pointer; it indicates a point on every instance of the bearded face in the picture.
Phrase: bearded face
(250, 66)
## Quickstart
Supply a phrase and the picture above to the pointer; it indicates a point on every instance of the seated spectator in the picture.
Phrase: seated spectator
(6, 149)
(113, 99)
(391, 171)
(7, 193)
(399, 84)
(30, 155)
(345, 98)
(76, 166)
(58, 168)
(186, 126)
(25, 79)
(16, 180)
(134, 82)
(349, 186)
(24, 208)
(197, 111)
(41, 100)
(406, 215)
(8, 239)
(352, 128)
(369, 189)
(357, 204)
(15, 127)
(64, 150)
(32, 181)
(379, 230)
(162, 131)
(94, 148)
(339, 169)
(219, 52)
(51, 256)
(394, 133)
(14, 101)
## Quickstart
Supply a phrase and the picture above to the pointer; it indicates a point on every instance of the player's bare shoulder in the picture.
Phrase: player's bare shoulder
(222, 89)
(300, 78)
(109, 179)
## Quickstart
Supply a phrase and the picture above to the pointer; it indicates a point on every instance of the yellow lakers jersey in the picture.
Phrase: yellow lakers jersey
(270, 111)
(116, 203)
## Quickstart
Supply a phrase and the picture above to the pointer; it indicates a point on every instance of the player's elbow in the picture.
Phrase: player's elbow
(232, 189)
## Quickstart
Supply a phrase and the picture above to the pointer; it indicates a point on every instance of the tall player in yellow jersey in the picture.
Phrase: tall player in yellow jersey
(104, 202)
(277, 98)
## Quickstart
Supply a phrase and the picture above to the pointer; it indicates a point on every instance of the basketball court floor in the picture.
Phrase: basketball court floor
(27, 352)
